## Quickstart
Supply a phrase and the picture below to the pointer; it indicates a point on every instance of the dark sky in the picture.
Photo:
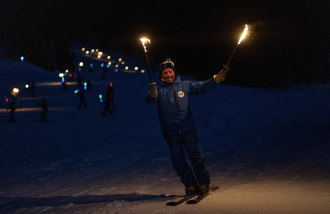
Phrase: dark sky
(288, 33)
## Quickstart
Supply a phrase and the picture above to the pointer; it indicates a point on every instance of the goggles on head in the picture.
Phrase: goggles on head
(167, 65)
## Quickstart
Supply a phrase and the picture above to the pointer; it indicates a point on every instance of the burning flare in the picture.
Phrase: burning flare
(143, 41)
(245, 32)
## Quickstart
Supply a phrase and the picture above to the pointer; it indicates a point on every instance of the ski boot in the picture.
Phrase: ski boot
(203, 189)
(191, 190)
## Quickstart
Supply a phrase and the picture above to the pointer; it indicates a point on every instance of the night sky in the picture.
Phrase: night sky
(289, 42)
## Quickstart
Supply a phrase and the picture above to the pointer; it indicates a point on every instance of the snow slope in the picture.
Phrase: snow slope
(268, 150)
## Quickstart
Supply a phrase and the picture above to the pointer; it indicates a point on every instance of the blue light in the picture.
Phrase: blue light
(22, 58)
(91, 65)
(101, 100)
(63, 79)
(85, 86)
(108, 66)
(79, 69)
(102, 65)
(116, 70)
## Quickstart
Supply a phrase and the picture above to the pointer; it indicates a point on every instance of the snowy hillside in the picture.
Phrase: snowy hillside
(268, 150)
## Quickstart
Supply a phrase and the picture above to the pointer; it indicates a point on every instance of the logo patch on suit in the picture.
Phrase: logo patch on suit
(180, 94)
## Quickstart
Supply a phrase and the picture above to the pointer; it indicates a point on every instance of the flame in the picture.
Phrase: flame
(6, 99)
(245, 32)
(143, 41)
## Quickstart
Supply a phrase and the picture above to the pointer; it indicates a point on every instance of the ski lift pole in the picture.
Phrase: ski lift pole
(144, 43)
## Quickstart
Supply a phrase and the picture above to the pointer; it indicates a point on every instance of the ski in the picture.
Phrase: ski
(174, 203)
(201, 197)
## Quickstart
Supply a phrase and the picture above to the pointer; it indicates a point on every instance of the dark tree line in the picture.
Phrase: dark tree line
(289, 42)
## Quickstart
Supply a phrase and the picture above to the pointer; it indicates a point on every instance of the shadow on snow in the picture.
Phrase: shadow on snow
(18, 202)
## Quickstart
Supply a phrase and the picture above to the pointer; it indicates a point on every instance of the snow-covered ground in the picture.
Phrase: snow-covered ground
(268, 150)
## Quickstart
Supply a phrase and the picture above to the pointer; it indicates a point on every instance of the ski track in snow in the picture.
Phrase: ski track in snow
(268, 150)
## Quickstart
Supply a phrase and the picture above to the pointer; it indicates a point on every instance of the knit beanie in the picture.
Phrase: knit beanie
(166, 64)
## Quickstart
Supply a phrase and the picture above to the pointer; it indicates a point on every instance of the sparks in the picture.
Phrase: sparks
(143, 41)
(245, 32)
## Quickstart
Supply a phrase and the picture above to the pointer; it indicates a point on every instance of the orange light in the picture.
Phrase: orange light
(245, 32)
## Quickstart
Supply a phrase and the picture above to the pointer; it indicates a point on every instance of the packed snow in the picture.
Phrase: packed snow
(267, 149)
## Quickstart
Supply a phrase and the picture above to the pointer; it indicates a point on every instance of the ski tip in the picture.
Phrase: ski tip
(172, 203)
(214, 188)
(192, 202)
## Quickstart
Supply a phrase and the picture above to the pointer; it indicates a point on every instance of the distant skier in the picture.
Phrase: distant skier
(12, 106)
(15, 96)
(79, 79)
(33, 89)
(64, 87)
(178, 126)
(89, 86)
(81, 93)
(110, 92)
(44, 110)
(107, 103)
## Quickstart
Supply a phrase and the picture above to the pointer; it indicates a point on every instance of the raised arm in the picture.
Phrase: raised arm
(196, 88)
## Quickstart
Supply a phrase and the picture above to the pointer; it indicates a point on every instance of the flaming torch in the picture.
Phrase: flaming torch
(145, 43)
(245, 32)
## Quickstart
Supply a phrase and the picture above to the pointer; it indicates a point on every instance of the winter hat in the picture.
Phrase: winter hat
(166, 64)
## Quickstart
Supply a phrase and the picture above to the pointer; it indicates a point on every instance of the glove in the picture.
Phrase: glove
(153, 90)
(221, 76)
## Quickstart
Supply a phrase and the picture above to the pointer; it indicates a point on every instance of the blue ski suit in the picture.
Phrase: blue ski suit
(178, 126)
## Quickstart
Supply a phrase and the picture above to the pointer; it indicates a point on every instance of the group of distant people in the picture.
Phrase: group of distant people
(15, 104)
(30, 86)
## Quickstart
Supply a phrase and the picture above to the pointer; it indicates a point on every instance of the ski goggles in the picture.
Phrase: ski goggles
(167, 65)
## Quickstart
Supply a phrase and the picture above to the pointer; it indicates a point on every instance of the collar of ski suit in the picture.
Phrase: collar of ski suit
(176, 81)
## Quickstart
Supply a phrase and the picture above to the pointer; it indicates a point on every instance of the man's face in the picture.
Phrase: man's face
(168, 75)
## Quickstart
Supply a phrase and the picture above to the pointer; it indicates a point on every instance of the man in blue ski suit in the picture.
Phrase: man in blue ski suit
(178, 125)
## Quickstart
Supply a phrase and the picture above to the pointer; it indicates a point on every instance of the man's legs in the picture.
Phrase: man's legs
(179, 162)
(196, 156)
